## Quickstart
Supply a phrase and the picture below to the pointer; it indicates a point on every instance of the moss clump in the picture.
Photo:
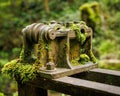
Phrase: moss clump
(92, 57)
(84, 58)
(21, 71)
(80, 36)
(92, 10)
(10, 67)
(75, 62)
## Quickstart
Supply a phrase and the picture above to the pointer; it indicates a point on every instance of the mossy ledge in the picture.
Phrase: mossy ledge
(21, 71)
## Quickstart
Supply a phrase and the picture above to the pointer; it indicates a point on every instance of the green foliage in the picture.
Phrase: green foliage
(114, 22)
(105, 65)
(106, 47)
(112, 5)
(1, 94)
(109, 49)
(15, 94)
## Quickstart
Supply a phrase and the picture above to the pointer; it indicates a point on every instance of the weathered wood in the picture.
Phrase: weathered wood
(28, 90)
(76, 87)
(101, 75)
(61, 72)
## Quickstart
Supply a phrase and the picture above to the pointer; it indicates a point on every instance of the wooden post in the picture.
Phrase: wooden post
(28, 90)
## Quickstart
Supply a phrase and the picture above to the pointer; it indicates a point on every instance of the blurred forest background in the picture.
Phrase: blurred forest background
(102, 15)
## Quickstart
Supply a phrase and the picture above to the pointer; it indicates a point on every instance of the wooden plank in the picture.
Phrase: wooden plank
(77, 87)
(101, 75)
(105, 71)
(61, 72)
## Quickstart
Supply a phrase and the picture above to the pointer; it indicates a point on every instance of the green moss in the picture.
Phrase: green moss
(41, 52)
(86, 54)
(26, 54)
(80, 36)
(26, 67)
(48, 47)
(92, 57)
(22, 56)
(75, 62)
(10, 68)
(84, 58)
(92, 10)
(21, 71)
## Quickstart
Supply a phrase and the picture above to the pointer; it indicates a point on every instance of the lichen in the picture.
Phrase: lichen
(21, 71)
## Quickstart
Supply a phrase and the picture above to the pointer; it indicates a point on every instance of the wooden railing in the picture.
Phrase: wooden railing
(97, 82)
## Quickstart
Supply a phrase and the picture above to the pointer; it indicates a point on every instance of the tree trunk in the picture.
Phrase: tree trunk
(46, 4)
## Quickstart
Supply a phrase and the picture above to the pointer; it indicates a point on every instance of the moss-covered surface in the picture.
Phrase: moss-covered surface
(26, 67)
(90, 13)
(80, 36)
(21, 71)
(40, 52)
(92, 57)
(84, 48)
(26, 52)
(75, 61)
(84, 58)
(93, 11)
